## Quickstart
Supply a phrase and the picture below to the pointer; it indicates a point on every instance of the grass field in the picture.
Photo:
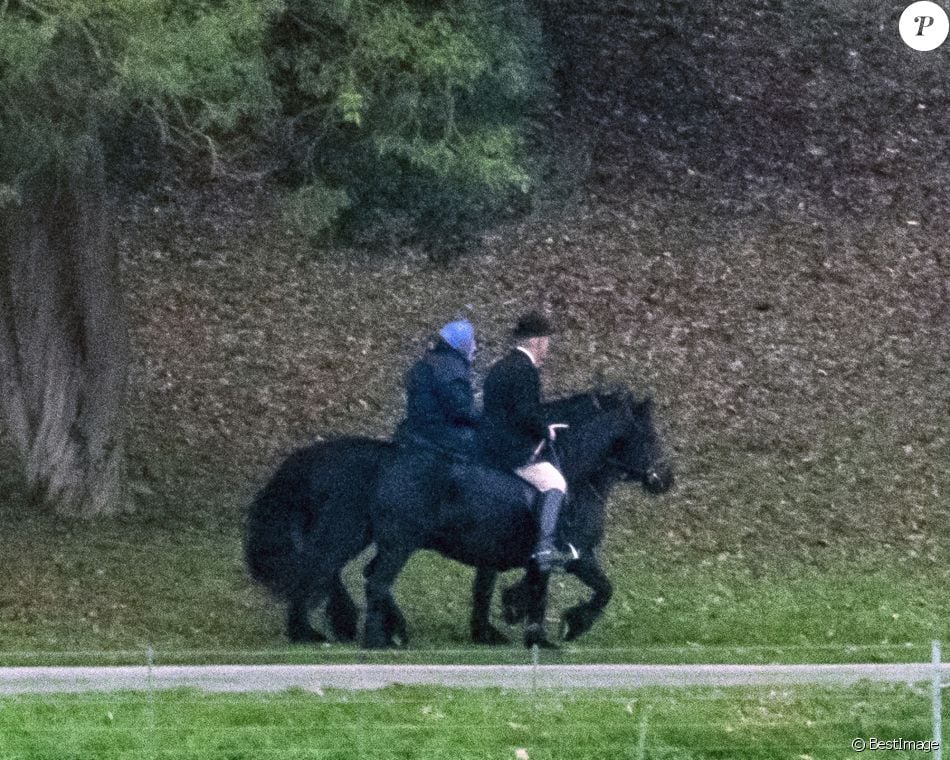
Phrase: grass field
(430, 723)
(97, 587)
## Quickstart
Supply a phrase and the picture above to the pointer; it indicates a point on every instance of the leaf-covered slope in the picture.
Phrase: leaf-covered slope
(757, 236)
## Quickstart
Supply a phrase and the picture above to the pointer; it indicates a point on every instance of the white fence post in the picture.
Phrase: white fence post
(535, 659)
(642, 733)
(150, 701)
(935, 685)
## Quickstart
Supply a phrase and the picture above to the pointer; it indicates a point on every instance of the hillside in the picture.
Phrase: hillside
(757, 237)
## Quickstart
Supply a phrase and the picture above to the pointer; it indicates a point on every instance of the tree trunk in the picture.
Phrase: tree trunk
(63, 339)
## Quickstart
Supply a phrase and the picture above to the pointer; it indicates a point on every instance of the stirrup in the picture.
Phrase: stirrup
(551, 558)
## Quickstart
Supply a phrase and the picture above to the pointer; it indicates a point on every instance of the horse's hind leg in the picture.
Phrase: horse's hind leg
(342, 613)
(483, 632)
(394, 621)
(580, 618)
(319, 581)
(380, 604)
(299, 630)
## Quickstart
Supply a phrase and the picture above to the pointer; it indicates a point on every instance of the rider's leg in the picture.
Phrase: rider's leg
(548, 480)
(546, 553)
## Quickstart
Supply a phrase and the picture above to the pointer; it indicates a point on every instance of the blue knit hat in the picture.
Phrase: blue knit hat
(461, 336)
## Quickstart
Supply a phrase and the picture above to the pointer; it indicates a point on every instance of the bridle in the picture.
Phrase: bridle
(650, 477)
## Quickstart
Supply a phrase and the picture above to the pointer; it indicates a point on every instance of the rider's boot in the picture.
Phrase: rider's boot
(546, 554)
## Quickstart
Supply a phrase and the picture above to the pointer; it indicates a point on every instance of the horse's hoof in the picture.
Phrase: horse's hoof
(377, 637)
(345, 628)
(534, 636)
(572, 626)
(490, 635)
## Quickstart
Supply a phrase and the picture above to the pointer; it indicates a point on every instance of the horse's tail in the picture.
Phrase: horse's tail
(280, 516)
(314, 505)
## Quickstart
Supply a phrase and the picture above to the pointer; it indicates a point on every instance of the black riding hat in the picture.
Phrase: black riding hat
(532, 325)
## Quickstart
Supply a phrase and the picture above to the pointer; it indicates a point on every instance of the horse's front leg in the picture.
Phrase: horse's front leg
(483, 632)
(514, 602)
(580, 618)
(536, 590)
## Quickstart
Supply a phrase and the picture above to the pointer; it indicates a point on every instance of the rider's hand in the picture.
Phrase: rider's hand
(552, 429)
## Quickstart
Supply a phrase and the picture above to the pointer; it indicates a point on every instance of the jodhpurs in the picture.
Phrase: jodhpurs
(544, 476)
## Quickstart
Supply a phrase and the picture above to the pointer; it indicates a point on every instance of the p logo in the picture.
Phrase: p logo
(924, 25)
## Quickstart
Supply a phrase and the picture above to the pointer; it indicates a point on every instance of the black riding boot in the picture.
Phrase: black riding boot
(546, 554)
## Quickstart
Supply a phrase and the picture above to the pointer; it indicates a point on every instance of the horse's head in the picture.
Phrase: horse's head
(638, 453)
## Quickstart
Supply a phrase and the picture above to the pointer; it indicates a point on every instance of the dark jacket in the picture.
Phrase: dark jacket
(514, 420)
(440, 404)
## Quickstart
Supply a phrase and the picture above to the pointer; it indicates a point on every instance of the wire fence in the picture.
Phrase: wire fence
(695, 653)
(536, 721)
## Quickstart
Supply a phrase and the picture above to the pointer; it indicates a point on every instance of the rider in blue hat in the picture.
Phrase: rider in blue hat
(440, 402)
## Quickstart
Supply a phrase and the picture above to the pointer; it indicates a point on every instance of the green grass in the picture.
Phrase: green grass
(737, 564)
(421, 723)
(102, 593)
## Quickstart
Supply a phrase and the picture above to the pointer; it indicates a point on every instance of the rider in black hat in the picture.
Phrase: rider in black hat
(515, 427)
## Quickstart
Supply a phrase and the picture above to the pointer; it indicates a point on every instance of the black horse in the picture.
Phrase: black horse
(317, 513)
(481, 517)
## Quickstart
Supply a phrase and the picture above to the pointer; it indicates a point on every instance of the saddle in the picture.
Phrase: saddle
(485, 485)
(474, 478)
(412, 443)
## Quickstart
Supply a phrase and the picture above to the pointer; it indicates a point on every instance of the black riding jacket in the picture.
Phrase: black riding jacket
(514, 420)
(440, 404)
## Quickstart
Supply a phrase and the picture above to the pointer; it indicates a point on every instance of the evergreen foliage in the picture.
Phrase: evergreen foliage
(73, 75)
(70, 69)
(413, 109)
